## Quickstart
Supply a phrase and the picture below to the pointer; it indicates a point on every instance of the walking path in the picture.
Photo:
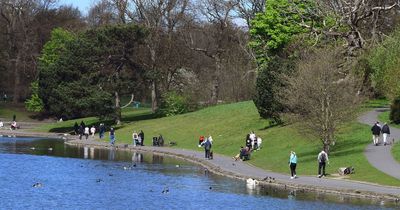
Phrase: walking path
(237, 169)
(381, 156)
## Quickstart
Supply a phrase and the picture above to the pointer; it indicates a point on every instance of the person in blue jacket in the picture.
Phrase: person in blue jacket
(292, 164)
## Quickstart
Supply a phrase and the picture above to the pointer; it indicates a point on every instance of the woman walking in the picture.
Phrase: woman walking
(292, 164)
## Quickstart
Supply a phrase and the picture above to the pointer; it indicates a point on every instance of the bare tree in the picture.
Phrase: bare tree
(216, 38)
(162, 18)
(247, 9)
(319, 95)
(102, 13)
(363, 18)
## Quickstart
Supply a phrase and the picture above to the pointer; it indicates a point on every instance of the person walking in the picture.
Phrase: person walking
(112, 136)
(293, 164)
(385, 133)
(376, 131)
(322, 160)
(81, 130)
(76, 128)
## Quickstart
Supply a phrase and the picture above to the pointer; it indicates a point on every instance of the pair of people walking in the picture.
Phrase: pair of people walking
(322, 159)
(376, 130)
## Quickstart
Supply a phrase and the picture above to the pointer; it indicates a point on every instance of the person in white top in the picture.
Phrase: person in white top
(86, 132)
(93, 130)
(1, 124)
(252, 139)
(135, 138)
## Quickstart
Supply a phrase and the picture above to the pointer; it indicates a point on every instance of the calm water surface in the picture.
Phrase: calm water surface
(87, 178)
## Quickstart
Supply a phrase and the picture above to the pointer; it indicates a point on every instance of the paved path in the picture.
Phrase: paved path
(226, 165)
(380, 156)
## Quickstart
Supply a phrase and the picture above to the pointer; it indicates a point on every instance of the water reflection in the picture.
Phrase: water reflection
(161, 170)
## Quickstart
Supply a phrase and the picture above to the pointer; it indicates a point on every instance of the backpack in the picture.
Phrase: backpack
(323, 157)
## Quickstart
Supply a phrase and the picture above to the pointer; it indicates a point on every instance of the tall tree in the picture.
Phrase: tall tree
(319, 95)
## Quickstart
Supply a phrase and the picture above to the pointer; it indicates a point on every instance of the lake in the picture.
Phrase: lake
(37, 173)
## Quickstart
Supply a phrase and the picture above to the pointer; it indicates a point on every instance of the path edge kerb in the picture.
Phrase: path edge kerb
(277, 183)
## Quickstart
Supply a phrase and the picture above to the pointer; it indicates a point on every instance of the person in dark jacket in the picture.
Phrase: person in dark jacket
(207, 148)
(376, 131)
(76, 128)
(385, 133)
(141, 135)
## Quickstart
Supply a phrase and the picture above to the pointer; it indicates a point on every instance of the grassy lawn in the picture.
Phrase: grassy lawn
(7, 110)
(396, 151)
(229, 124)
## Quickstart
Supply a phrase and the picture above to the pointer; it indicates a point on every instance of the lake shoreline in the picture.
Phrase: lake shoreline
(213, 167)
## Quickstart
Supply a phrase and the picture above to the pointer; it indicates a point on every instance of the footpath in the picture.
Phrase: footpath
(381, 156)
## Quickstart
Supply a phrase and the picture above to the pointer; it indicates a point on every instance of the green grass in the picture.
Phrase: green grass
(396, 151)
(7, 110)
(229, 124)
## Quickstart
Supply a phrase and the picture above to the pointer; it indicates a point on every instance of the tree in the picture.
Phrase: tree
(270, 33)
(92, 69)
(319, 95)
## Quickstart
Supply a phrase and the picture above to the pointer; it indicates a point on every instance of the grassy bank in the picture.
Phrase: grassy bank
(229, 124)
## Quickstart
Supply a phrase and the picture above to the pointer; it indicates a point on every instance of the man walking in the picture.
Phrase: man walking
(385, 133)
(376, 131)
(322, 160)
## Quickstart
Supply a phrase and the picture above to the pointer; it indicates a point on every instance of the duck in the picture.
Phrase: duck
(251, 181)
(165, 190)
(32, 148)
(37, 184)
(50, 149)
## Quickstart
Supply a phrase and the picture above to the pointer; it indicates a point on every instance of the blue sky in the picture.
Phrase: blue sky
(83, 5)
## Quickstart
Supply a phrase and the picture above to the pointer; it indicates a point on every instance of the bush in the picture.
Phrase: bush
(35, 103)
(395, 111)
(173, 104)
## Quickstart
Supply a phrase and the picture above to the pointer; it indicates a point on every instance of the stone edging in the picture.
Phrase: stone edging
(277, 184)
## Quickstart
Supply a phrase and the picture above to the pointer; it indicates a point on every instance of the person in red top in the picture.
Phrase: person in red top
(201, 139)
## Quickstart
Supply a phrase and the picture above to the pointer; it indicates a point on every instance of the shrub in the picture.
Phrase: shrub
(173, 104)
(395, 111)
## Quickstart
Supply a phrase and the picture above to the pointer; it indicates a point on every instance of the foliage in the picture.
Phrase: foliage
(35, 103)
(385, 63)
(173, 104)
(91, 69)
(394, 115)
(271, 32)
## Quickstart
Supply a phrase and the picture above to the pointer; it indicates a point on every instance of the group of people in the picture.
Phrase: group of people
(83, 130)
(377, 129)
(207, 144)
(252, 143)
(322, 160)
(138, 138)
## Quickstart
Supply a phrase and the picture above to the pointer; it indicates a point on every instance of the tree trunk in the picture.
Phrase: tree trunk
(16, 90)
(215, 81)
(117, 108)
(154, 96)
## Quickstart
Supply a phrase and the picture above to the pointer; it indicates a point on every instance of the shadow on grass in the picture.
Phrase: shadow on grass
(108, 123)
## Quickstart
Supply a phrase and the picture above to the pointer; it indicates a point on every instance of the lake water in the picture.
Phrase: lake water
(87, 178)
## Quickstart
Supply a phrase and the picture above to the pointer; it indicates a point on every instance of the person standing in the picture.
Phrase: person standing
(376, 131)
(207, 147)
(385, 133)
(141, 135)
(76, 128)
(135, 138)
(112, 136)
(322, 160)
(87, 132)
(93, 130)
(81, 130)
(293, 164)
(252, 137)
(102, 130)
